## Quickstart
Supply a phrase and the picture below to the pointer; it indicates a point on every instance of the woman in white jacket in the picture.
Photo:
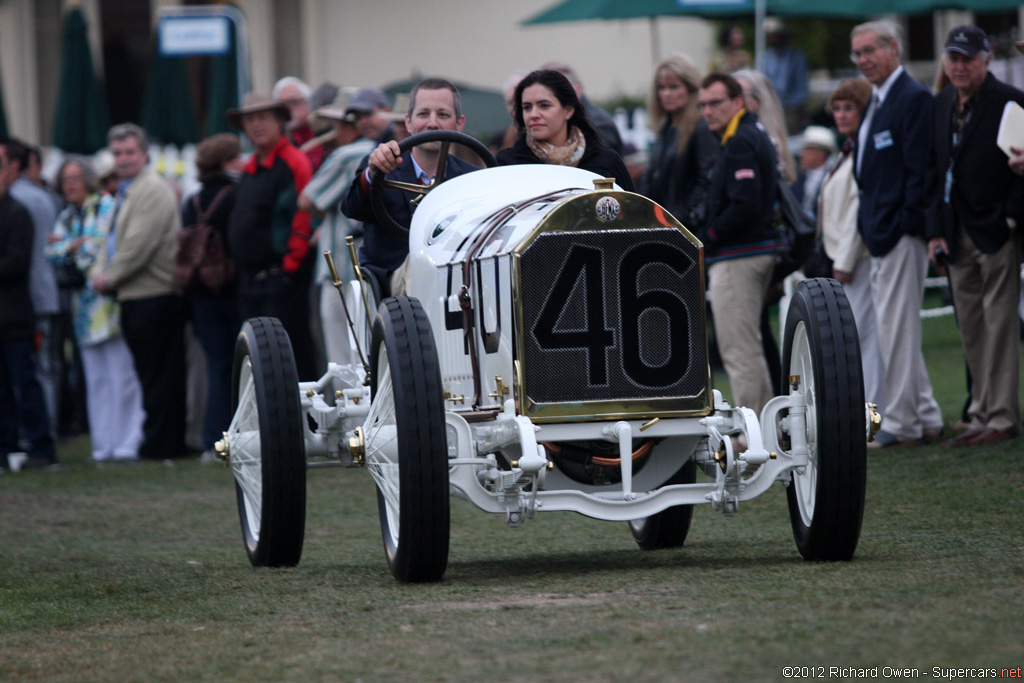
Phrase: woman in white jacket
(837, 223)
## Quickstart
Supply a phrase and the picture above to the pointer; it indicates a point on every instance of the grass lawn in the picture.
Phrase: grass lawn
(137, 573)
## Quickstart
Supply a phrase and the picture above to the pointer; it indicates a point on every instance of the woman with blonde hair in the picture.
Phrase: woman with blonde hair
(760, 98)
(684, 149)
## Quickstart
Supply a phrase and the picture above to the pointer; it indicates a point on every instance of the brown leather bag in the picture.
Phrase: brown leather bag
(202, 256)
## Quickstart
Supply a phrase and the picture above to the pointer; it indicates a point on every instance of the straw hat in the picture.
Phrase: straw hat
(258, 101)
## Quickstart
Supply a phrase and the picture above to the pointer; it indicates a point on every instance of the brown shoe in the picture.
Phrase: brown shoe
(989, 436)
(963, 439)
(934, 434)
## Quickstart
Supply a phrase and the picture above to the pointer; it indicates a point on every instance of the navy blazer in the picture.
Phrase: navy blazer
(985, 190)
(382, 250)
(894, 175)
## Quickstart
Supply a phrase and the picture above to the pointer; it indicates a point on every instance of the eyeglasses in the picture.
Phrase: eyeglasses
(843, 108)
(712, 104)
(866, 52)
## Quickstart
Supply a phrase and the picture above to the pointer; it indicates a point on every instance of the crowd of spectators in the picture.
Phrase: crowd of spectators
(904, 176)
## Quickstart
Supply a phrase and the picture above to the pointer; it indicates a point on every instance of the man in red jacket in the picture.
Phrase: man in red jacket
(268, 236)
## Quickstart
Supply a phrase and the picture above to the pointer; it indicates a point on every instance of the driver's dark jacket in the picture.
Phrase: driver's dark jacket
(383, 251)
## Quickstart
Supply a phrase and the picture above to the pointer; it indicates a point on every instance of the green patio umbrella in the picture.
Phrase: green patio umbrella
(582, 10)
(80, 121)
(222, 90)
(168, 112)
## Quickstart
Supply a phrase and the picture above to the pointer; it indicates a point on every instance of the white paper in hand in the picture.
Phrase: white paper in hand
(1011, 128)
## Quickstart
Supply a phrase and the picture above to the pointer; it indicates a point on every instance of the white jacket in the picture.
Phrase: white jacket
(837, 216)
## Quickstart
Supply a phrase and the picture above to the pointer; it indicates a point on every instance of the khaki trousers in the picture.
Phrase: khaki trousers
(986, 289)
(737, 289)
(897, 287)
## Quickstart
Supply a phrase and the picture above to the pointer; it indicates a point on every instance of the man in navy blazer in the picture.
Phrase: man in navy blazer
(977, 201)
(893, 147)
(435, 104)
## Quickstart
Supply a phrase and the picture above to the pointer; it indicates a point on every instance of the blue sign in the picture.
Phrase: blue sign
(188, 36)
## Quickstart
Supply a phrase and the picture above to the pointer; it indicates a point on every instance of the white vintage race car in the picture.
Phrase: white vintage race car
(553, 358)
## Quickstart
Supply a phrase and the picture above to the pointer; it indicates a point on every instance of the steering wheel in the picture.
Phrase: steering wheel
(446, 137)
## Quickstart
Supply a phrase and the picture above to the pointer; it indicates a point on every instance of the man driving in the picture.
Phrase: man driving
(435, 104)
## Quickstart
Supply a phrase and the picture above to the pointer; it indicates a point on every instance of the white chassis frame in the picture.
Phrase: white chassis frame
(530, 486)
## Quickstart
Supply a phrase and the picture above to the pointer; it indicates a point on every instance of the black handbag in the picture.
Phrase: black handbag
(795, 232)
(817, 263)
(69, 276)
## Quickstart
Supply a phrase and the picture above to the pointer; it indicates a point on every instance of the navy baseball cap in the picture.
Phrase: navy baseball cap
(366, 100)
(967, 40)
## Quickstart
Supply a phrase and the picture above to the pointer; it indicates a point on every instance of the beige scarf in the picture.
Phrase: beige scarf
(568, 154)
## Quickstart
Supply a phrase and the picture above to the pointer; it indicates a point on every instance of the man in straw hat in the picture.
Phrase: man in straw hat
(976, 204)
(268, 235)
(322, 198)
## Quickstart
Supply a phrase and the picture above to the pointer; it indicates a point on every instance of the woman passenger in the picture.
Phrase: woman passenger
(554, 129)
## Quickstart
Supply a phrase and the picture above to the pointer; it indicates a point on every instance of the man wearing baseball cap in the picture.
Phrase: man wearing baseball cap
(370, 107)
(976, 205)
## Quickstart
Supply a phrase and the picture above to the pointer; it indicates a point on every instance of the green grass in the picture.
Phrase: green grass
(137, 573)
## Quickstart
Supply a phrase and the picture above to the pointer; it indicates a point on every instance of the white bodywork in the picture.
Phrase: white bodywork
(495, 454)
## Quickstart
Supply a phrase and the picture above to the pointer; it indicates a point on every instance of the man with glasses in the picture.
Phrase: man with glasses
(739, 245)
(893, 145)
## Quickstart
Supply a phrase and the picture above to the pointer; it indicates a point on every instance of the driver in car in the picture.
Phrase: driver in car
(435, 104)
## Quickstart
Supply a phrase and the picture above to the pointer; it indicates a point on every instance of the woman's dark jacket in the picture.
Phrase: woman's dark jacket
(680, 182)
(597, 158)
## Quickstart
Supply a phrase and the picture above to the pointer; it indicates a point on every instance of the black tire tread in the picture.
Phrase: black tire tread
(421, 554)
(842, 452)
(282, 446)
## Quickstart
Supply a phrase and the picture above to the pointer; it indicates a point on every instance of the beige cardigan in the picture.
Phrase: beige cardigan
(837, 216)
(147, 227)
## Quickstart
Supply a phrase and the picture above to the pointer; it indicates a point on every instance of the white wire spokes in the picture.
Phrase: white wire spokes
(244, 448)
(803, 365)
(382, 441)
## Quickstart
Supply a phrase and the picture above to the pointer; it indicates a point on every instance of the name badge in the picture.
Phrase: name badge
(883, 140)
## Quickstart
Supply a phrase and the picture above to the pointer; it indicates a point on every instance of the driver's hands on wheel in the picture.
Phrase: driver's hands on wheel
(385, 158)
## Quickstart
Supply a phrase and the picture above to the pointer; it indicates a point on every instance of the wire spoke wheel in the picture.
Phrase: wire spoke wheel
(266, 447)
(406, 442)
(821, 354)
